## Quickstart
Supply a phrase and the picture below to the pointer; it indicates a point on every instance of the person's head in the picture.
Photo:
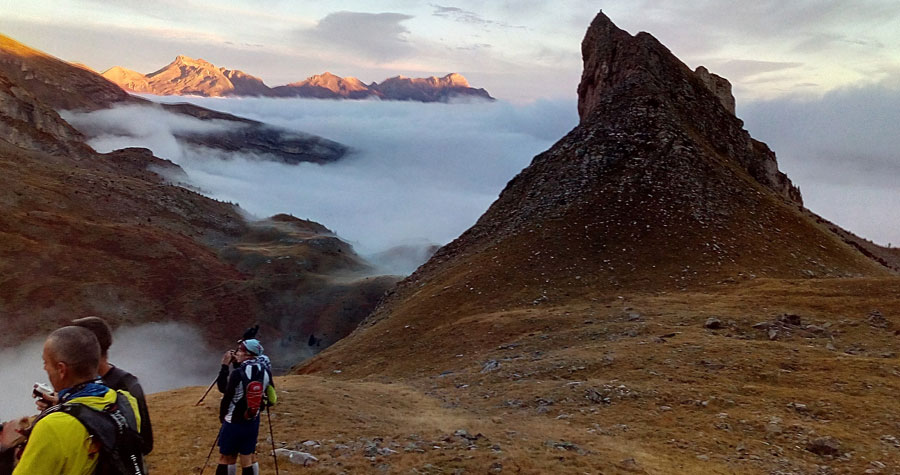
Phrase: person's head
(248, 349)
(71, 356)
(100, 329)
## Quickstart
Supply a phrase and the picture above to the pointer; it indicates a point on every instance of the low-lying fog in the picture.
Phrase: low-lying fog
(420, 174)
(162, 355)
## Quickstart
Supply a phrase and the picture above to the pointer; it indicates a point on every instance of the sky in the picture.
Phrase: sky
(519, 50)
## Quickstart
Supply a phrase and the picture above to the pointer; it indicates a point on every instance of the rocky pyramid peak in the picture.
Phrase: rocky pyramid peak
(640, 73)
(616, 60)
(658, 188)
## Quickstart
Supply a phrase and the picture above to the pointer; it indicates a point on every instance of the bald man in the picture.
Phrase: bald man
(114, 377)
(59, 443)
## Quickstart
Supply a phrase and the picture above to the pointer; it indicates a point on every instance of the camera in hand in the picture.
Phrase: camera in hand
(41, 391)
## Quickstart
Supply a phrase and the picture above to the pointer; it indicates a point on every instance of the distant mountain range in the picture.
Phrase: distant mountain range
(187, 76)
(88, 233)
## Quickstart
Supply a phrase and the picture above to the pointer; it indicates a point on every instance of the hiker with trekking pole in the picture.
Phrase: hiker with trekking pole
(245, 381)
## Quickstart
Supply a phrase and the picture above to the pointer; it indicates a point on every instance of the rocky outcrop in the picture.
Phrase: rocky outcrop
(620, 67)
(31, 125)
(326, 86)
(430, 89)
(719, 86)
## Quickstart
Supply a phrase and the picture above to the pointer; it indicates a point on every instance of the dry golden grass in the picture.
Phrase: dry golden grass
(635, 384)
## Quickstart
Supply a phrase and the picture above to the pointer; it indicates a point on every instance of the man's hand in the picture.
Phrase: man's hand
(42, 398)
(228, 357)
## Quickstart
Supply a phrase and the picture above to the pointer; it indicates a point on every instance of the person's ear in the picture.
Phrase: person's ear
(62, 369)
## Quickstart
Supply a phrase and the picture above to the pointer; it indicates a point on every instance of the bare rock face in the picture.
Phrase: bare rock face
(30, 124)
(638, 69)
(718, 86)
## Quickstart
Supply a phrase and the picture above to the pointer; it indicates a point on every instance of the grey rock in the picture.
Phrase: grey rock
(713, 323)
(490, 365)
(297, 457)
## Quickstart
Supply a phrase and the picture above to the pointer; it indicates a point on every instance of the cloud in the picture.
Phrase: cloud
(842, 151)
(147, 351)
(466, 16)
(737, 69)
(378, 36)
(421, 173)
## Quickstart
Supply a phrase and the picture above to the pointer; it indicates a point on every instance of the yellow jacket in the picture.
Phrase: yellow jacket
(60, 445)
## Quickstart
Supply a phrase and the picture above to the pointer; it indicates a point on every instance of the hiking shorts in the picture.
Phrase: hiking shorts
(239, 437)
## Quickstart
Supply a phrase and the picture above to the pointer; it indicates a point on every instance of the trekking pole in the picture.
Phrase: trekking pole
(272, 436)
(210, 452)
(207, 391)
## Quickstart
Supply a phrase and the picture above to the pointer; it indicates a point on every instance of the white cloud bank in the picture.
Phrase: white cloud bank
(844, 152)
(419, 173)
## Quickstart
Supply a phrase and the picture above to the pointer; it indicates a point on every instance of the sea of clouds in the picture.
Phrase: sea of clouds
(418, 174)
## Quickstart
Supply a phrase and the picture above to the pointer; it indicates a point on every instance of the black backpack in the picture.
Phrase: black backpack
(115, 428)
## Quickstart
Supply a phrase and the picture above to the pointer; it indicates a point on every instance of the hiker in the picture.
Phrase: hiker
(65, 438)
(244, 391)
(113, 377)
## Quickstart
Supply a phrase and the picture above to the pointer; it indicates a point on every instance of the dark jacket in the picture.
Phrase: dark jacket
(117, 378)
(232, 383)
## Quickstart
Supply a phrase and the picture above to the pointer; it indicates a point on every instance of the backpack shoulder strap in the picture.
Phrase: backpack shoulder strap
(98, 423)
(115, 428)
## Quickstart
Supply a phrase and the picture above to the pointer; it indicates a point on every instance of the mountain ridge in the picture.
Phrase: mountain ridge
(188, 76)
(63, 86)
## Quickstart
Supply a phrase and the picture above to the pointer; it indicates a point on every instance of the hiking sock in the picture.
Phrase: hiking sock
(255, 468)
(222, 469)
(247, 470)
(232, 469)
